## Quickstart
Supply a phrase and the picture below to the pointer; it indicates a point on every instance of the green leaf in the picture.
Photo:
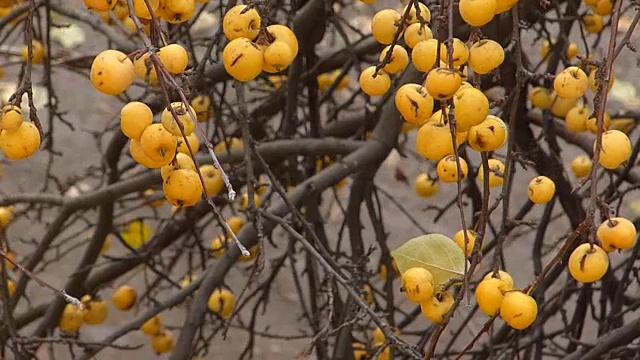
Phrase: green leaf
(434, 252)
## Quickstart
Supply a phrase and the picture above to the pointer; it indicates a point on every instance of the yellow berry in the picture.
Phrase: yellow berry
(135, 117)
(412, 18)
(144, 69)
(174, 57)
(99, 5)
(485, 56)
(540, 97)
(518, 310)
(560, 106)
(615, 151)
(20, 143)
(285, 34)
(415, 33)
(37, 51)
(359, 351)
(588, 263)
(11, 286)
(417, 284)
(194, 144)
(442, 83)
(593, 23)
(425, 55)
(124, 297)
(398, 61)
(277, 56)
(162, 342)
(502, 275)
(460, 53)
(414, 103)
(153, 326)
(202, 106)
(581, 166)
(374, 86)
(182, 161)
(236, 223)
(71, 319)
(592, 123)
(244, 200)
(576, 118)
(541, 190)
(135, 149)
(242, 59)
(94, 311)
(219, 246)
(571, 83)
(425, 186)
(158, 144)
(11, 118)
(496, 173)
(471, 108)
(241, 22)
(489, 135)
(489, 295)
(222, 302)
(434, 141)
(472, 236)
(213, 181)
(477, 12)
(183, 115)
(616, 234)
(182, 188)
(437, 307)
(384, 25)
(603, 7)
(142, 11)
(504, 5)
(572, 50)
(448, 169)
(112, 72)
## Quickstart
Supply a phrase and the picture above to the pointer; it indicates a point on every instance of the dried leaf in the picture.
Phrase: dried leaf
(625, 92)
(434, 252)
(69, 36)
(635, 207)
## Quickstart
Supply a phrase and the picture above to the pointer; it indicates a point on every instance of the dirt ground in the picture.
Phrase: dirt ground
(90, 111)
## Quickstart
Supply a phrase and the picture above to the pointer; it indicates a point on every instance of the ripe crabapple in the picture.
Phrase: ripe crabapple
(541, 190)
(417, 283)
(588, 263)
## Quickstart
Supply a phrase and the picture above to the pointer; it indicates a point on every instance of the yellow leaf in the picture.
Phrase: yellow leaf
(136, 234)
(623, 124)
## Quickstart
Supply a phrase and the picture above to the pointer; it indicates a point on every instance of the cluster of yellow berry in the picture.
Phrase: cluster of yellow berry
(250, 50)
(418, 285)
(19, 139)
(415, 102)
(172, 11)
(589, 262)
(495, 295)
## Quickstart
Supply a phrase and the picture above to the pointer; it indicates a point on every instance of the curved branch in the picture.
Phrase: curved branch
(621, 336)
